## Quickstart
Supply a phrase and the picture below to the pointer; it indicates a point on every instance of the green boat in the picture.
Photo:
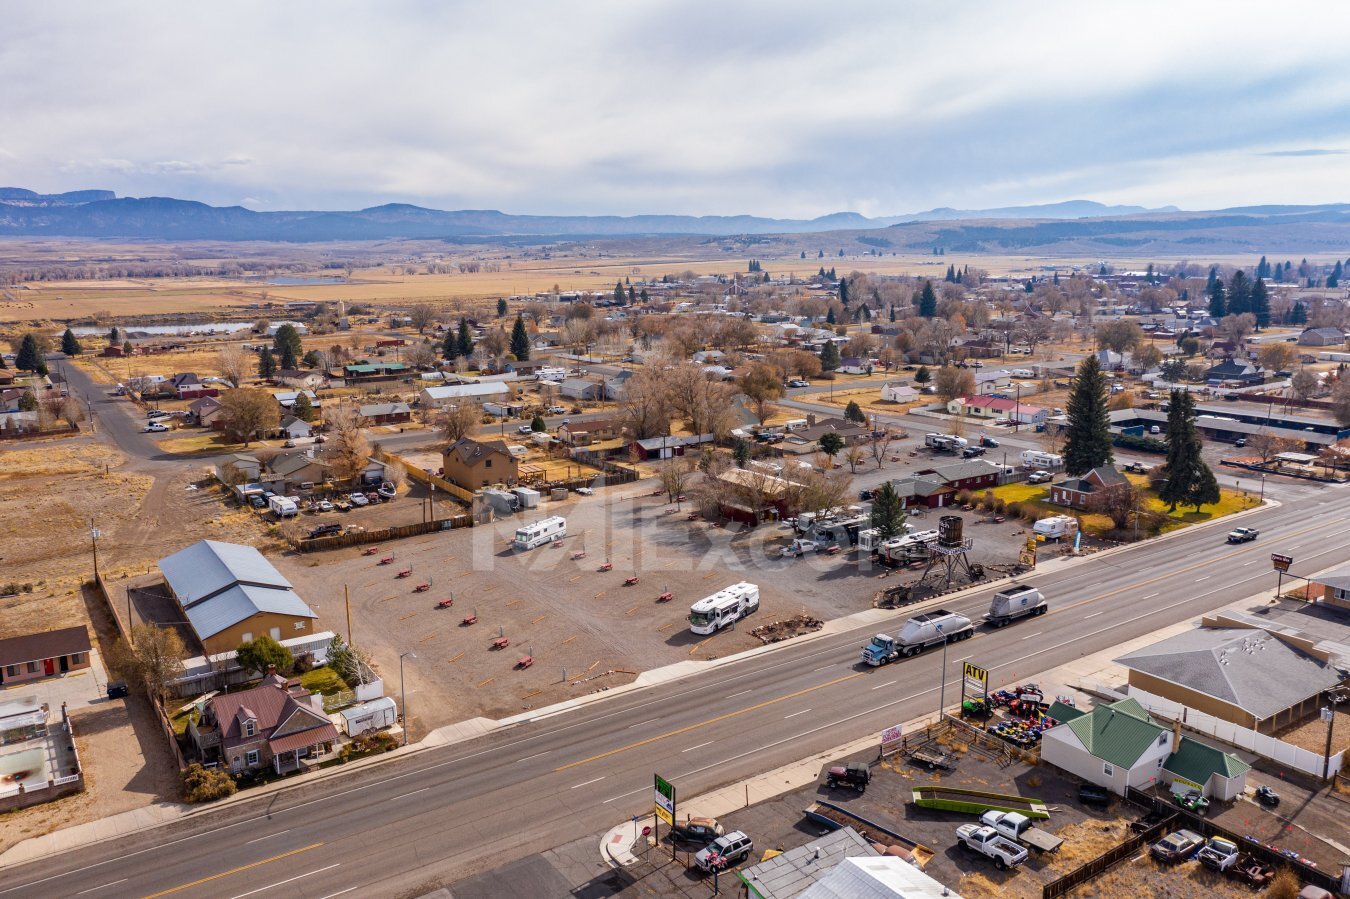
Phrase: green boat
(976, 802)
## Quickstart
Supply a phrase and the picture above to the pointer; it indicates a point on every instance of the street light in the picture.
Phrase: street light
(942, 679)
(403, 693)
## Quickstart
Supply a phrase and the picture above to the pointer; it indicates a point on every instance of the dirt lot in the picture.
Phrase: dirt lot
(563, 611)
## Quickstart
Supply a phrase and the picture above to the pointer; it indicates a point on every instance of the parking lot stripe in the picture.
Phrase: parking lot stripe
(486, 682)
(568, 640)
(431, 636)
(456, 657)
(539, 619)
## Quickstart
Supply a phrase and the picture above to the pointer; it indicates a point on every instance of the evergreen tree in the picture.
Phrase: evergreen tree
(927, 300)
(520, 341)
(829, 356)
(632, 294)
(1056, 279)
(114, 336)
(287, 347)
(1298, 315)
(843, 291)
(69, 345)
(1213, 276)
(642, 294)
(619, 294)
(1148, 276)
(1218, 303)
(313, 359)
(501, 307)
(829, 316)
(892, 313)
(267, 363)
(1260, 304)
(1101, 272)
(1334, 279)
(1239, 294)
(950, 277)
(29, 357)
(1187, 480)
(28, 402)
(922, 376)
(833, 275)
(854, 413)
(1087, 439)
(303, 409)
(888, 514)
(450, 349)
(538, 425)
(464, 340)
(740, 452)
(1263, 268)
(830, 444)
(803, 254)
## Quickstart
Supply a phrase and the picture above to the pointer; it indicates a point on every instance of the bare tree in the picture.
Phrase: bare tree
(674, 473)
(350, 450)
(1277, 356)
(422, 355)
(881, 446)
(762, 384)
(703, 403)
(1340, 401)
(396, 473)
(1237, 327)
(855, 455)
(952, 382)
(153, 659)
(233, 363)
(1118, 504)
(459, 421)
(1304, 384)
(422, 315)
(249, 412)
(645, 404)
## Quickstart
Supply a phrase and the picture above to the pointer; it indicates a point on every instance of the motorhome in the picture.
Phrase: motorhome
(1035, 459)
(541, 532)
(551, 374)
(725, 607)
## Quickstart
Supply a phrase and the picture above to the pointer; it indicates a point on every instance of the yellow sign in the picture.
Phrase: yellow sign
(975, 674)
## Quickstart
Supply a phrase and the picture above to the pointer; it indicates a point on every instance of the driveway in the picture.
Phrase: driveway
(77, 689)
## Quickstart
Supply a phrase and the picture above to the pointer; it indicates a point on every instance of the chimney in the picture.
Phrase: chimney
(1176, 735)
(810, 419)
(271, 670)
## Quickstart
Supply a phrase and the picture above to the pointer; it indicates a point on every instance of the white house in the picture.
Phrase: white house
(452, 394)
(898, 393)
(295, 428)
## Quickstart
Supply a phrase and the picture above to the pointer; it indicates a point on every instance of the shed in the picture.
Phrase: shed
(369, 716)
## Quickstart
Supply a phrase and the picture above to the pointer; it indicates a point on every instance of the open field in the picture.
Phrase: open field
(868, 399)
(1230, 501)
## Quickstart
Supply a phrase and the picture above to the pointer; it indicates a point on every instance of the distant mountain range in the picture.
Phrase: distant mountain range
(1075, 226)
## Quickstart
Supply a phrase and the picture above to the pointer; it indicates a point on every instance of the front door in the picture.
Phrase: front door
(51, 666)
(65, 664)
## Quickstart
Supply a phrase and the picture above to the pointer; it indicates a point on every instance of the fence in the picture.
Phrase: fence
(1106, 861)
(421, 475)
(35, 434)
(615, 473)
(357, 538)
(1267, 747)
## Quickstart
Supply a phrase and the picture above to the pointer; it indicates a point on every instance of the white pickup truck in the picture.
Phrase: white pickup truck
(993, 845)
(1019, 827)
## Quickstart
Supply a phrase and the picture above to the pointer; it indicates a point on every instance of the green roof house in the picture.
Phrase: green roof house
(1216, 774)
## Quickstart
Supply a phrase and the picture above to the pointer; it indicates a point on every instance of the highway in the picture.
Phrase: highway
(442, 814)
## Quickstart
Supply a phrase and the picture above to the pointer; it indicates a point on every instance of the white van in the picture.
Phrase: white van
(541, 532)
(725, 607)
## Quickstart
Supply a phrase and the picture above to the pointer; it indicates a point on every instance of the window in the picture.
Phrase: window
(249, 728)
(487, 463)
(76, 658)
(32, 667)
(1108, 770)
(276, 633)
(252, 757)
(247, 637)
(299, 625)
(11, 670)
(1162, 738)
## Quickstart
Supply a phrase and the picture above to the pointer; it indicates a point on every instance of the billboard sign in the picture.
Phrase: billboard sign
(974, 679)
(664, 796)
(1281, 562)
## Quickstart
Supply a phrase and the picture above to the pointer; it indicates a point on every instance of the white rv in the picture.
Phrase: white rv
(551, 374)
(541, 532)
(1033, 459)
(283, 506)
(1056, 527)
(712, 613)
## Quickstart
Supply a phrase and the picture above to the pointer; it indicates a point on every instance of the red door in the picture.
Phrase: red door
(51, 667)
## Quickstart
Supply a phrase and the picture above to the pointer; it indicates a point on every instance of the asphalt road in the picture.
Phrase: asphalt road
(447, 813)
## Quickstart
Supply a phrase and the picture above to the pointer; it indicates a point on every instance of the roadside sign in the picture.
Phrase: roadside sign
(664, 796)
(1027, 558)
(891, 739)
(1281, 562)
(975, 679)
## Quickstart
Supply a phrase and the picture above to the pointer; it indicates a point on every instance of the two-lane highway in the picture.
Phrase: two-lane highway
(445, 813)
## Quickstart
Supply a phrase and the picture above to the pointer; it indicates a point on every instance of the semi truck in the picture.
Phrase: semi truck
(724, 608)
(1021, 829)
(919, 632)
(1013, 603)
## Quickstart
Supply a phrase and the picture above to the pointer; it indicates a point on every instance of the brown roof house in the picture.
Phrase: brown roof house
(46, 654)
(1080, 492)
(584, 433)
(473, 464)
(272, 725)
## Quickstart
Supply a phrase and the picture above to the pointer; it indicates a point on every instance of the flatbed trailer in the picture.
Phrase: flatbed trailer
(834, 817)
(976, 802)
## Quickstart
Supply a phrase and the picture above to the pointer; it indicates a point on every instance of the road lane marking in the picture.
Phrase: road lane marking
(1205, 578)
(237, 870)
(887, 684)
(535, 756)
(623, 795)
(414, 792)
(823, 667)
(1150, 596)
(714, 720)
(795, 714)
(640, 723)
(104, 887)
(699, 746)
(1252, 562)
(1029, 636)
(284, 882)
(589, 782)
(742, 693)
(1094, 614)
(340, 893)
(260, 839)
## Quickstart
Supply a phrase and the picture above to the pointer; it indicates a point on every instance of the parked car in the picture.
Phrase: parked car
(342, 506)
(325, 530)
(323, 505)
(117, 689)
(1241, 441)
(584, 491)
(989, 442)
(1177, 846)
(696, 830)
(157, 413)
(257, 501)
(1138, 468)
(971, 452)
(154, 428)
(358, 500)
(289, 444)
(524, 429)
(556, 410)
(855, 774)
(865, 494)
(1219, 854)
(721, 853)
(798, 382)
(1039, 477)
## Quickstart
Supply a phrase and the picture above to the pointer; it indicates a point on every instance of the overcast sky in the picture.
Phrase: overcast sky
(790, 109)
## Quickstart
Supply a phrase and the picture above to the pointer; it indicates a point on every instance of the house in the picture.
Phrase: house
(286, 398)
(975, 474)
(10, 397)
(1080, 492)
(927, 492)
(614, 386)
(386, 413)
(751, 495)
(667, 447)
(45, 654)
(1118, 745)
(295, 428)
(581, 389)
(1248, 676)
(186, 384)
(229, 593)
(1335, 587)
(898, 392)
(855, 365)
(998, 407)
(272, 726)
(289, 472)
(276, 326)
(451, 395)
(375, 371)
(299, 379)
(238, 468)
(584, 433)
(1109, 360)
(1231, 370)
(709, 357)
(807, 439)
(475, 464)
(1321, 337)
(525, 369)
(789, 874)
(206, 411)
(884, 877)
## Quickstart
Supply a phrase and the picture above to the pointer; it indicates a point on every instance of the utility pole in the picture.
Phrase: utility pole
(942, 679)
(403, 693)
(1329, 716)
(347, 598)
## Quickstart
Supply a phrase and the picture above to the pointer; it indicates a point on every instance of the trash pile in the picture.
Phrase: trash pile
(786, 629)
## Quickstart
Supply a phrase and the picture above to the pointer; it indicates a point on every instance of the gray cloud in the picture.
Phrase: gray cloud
(1310, 151)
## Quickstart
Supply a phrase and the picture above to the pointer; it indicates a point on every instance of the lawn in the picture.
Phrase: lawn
(1036, 495)
(212, 442)
(323, 680)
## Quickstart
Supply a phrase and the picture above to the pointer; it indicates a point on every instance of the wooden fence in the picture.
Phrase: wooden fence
(357, 538)
(422, 476)
(1107, 860)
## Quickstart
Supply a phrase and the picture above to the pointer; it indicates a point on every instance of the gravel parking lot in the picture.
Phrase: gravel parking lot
(563, 611)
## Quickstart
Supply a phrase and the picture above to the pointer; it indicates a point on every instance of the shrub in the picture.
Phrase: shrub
(1014, 509)
(1000, 505)
(1284, 885)
(303, 662)
(206, 784)
(1140, 443)
(987, 501)
(963, 497)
